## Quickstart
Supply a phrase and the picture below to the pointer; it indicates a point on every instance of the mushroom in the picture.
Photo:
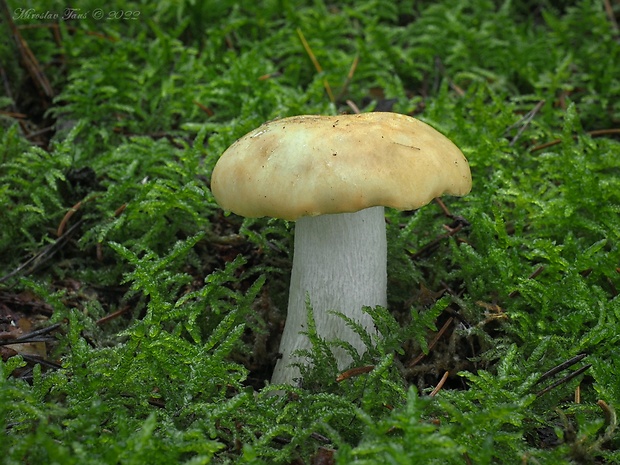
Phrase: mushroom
(334, 175)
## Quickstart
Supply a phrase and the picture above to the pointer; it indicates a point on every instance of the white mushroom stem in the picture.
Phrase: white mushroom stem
(340, 262)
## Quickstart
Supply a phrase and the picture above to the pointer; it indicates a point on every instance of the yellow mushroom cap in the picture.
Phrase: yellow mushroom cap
(316, 165)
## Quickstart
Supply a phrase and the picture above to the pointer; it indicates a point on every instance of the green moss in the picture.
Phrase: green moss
(170, 310)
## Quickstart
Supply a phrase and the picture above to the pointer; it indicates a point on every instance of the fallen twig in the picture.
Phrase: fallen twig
(442, 381)
(354, 372)
(562, 366)
(316, 64)
(349, 78)
(40, 335)
(536, 272)
(433, 342)
(28, 58)
(595, 133)
(38, 259)
(525, 122)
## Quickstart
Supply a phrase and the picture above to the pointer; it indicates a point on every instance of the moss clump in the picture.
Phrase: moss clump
(159, 316)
